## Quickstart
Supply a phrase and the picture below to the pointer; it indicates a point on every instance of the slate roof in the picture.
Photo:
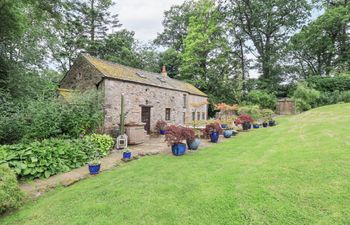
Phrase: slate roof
(125, 73)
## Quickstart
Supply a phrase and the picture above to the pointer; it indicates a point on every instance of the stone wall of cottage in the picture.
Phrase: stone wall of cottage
(137, 95)
(82, 76)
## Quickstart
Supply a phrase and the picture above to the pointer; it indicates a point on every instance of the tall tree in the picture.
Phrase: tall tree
(81, 27)
(120, 47)
(23, 36)
(97, 20)
(172, 60)
(269, 24)
(322, 46)
(175, 24)
(207, 59)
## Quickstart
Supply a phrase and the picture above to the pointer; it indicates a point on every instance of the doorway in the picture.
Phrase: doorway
(146, 117)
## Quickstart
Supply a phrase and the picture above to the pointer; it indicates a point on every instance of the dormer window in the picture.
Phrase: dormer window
(140, 74)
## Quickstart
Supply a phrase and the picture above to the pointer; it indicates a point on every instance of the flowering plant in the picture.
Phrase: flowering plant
(212, 127)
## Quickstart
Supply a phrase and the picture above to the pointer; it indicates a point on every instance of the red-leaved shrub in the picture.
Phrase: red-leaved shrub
(189, 134)
(244, 118)
(212, 127)
(174, 135)
(161, 125)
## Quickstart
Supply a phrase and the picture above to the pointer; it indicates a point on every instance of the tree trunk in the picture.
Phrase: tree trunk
(92, 21)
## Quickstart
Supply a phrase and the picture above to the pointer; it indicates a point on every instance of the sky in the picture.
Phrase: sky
(144, 17)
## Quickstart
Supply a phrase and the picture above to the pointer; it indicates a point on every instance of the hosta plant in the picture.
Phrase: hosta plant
(103, 143)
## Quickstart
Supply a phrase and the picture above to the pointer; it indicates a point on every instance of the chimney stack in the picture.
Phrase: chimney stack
(164, 73)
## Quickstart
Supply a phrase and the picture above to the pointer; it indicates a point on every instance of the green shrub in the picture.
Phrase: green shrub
(103, 142)
(11, 128)
(340, 82)
(11, 196)
(83, 114)
(262, 98)
(252, 110)
(328, 98)
(45, 118)
(47, 158)
(42, 119)
(266, 114)
(305, 97)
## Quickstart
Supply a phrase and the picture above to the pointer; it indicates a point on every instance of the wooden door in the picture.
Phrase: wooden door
(146, 118)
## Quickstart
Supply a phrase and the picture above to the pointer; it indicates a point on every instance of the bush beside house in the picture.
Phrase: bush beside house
(51, 117)
(11, 196)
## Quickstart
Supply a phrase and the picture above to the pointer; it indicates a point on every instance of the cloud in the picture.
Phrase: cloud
(144, 17)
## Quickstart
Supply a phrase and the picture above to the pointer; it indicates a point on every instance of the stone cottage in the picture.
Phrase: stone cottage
(148, 97)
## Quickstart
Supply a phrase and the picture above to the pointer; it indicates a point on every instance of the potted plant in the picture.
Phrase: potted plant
(265, 124)
(226, 111)
(272, 122)
(175, 137)
(94, 166)
(256, 125)
(213, 130)
(127, 154)
(245, 120)
(160, 126)
(267, 115)
(192, 141)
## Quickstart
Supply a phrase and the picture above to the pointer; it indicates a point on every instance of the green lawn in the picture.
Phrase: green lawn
(295, 173)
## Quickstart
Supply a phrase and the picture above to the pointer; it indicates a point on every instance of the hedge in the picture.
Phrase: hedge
(340, 82)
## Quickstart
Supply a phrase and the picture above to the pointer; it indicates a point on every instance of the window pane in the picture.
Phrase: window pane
(203, 116)
(198, 116)
(185, 101)
(193, 116)
(167, 114)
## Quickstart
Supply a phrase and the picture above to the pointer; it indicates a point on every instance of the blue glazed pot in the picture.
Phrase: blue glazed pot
(162, 132)
(265, 124)
(227, 133)
(256, 126)
(214, 137)
(272, 123)
(224, 126)
(194, 145)
(178, 149)
(126, 155)
(94, 169)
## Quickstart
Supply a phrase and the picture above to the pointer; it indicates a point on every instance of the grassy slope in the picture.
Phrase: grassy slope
(295, 173)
